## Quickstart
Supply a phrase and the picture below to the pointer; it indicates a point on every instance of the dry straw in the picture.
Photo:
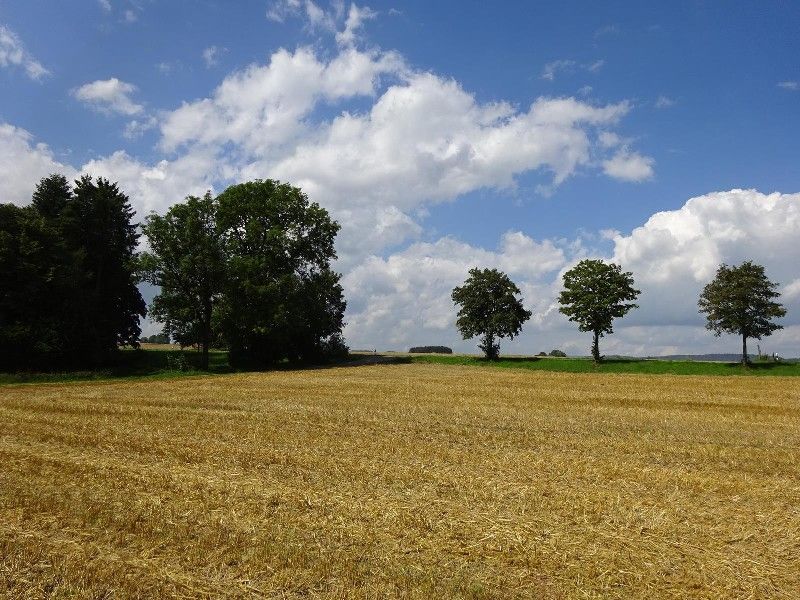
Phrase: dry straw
(408, 481)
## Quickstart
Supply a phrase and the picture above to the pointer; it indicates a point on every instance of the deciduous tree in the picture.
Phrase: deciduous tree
(595, 293)
(490, 309)
(741, 301)
(282, 299)
(186, 260)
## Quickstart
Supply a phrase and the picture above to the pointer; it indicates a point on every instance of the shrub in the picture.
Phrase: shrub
(542, 354)
(559, 353)
(430, 350)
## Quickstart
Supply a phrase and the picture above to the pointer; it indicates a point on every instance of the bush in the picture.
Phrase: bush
(558, 353)
(542, 354)
(177, 361)
(334, 348)
(430, 350)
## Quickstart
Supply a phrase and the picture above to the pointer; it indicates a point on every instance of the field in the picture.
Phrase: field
(407, 480)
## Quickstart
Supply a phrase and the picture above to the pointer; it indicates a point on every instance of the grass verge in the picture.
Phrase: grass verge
(642, 366)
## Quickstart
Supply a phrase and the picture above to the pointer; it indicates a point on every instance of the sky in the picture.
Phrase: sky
(442, 136)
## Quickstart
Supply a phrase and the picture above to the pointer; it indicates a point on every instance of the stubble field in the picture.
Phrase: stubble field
(413, 481)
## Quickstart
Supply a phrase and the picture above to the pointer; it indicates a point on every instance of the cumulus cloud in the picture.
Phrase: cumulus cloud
(629, 166)
(109, 96)
(23, 163)
(404, 299)
(14, 54)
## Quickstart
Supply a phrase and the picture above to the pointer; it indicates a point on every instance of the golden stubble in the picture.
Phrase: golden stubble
(413, 481)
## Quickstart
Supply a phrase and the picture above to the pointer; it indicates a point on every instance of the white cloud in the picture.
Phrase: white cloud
(130, 16)
(792, 86)
(595, 66)
(211, 55)
(404, 299)
(355, 19)
(14, 54)
(23, 163)
(137, 127)
(629, 166)
(664, 102)
(105, 5)
(676, 252)
(109, 96)
(551, 69)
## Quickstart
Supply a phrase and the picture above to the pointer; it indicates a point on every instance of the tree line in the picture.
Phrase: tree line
(740, 300)
(248, 269)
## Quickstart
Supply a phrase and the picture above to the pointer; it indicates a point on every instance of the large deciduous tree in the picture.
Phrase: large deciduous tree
(282, 300)
(741, 301)
(595, 293)
(490, 309)
(186, 260)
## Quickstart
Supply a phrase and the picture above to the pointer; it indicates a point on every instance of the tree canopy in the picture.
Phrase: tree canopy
(741, 301)
(281, 299)
(187, 261)
(490, 309)
(595, 293)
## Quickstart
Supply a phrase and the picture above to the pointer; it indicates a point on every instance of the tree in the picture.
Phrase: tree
(489, 308)
(97, 230)
(741, 301)
(186, 259)
(594, 294)
(32, 288)
(282, 300)
(68, 294)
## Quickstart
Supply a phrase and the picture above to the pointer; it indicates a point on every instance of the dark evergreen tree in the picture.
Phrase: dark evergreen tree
(97, 230)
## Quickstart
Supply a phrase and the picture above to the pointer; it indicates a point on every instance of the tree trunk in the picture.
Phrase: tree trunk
(744, 349)
(596, 347)
(206, 334)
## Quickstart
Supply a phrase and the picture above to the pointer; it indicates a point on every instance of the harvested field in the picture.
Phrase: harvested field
(412, 481)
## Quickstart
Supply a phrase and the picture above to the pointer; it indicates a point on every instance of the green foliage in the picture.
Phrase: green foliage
(68, 294)
(489, 308)
(558, 353)
(594, 294)
(741, 301)
(281, 299)
(97, 227)
(187, 261)
(156, 338)
(430, 349)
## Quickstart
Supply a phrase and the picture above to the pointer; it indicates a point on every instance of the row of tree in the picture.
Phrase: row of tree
(740, 300)
(248, 269)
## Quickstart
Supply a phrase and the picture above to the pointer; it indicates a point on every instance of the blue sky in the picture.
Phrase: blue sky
(413, 123)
